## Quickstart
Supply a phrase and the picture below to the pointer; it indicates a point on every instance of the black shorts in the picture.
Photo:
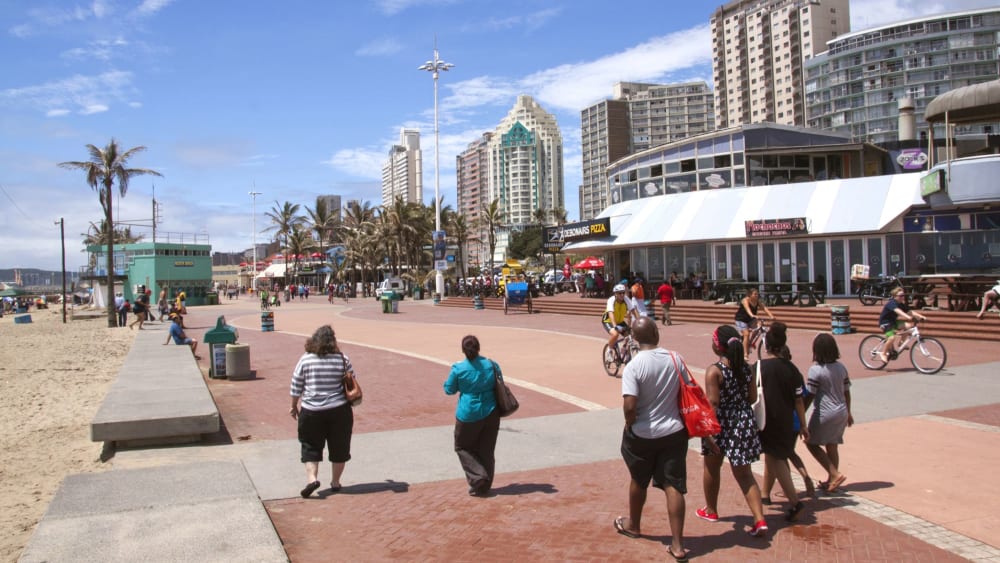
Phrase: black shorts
(331, 428)
(662, 460)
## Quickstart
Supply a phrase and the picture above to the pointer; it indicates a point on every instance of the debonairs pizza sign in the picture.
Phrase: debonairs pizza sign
(553, 238)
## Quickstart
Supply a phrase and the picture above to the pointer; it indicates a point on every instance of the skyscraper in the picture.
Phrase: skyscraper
(472, 189)
(402, 173)
(639, 116)
(759, 48)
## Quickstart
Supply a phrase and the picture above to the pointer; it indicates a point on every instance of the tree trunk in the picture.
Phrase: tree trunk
(112, 314)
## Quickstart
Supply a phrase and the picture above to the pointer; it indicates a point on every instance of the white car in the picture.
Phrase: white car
(390, 284)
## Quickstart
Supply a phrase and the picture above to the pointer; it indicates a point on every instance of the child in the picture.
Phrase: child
(765, 489)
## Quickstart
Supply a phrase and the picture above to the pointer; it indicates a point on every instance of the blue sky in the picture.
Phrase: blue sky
(300, 98)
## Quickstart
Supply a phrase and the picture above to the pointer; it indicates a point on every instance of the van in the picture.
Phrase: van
(390, 284)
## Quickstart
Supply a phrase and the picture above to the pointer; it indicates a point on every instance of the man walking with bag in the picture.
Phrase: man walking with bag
(654, 441)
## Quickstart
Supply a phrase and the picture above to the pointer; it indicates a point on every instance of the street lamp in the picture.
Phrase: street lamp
(253, 228)
(435, 67)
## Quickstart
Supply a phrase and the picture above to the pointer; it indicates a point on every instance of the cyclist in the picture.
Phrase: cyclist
(895, 310)
(619, 315)
(746, 316)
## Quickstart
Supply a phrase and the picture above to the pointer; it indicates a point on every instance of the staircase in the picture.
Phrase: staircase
(863, 318)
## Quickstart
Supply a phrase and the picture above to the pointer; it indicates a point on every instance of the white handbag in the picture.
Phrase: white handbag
(759, 413)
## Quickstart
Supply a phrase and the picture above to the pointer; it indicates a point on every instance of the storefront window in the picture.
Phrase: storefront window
(656, 270)
(838, 268)
(736, 261)
(802, 261)
(721, 262)
(753, 263)
(695, 258)
(639, 261)
(855, 255)
(785, 262)
(767, 249)
(894, 254)
(875, 264)
(675, 260)
(819, 264)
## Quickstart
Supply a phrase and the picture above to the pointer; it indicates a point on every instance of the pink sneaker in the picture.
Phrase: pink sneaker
(759, 529)
(704, 514)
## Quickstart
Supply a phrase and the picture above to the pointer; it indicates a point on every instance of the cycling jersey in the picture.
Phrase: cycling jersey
(617, 311)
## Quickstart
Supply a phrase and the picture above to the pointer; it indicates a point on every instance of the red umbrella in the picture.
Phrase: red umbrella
(316, 255)
(589, 263)
(243, 264)
(566, 268)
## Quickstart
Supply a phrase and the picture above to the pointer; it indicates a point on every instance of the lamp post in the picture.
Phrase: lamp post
(435, 67)
(253, 229)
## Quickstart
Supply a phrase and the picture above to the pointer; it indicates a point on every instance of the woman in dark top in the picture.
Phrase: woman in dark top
(477, 421)
(783, 386)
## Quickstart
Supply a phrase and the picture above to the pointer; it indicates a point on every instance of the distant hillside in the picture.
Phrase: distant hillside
(34, 276)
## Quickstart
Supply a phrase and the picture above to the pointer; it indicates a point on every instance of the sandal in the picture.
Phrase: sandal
(679, 558)
(309, 489)
(793, 513)
(621, 529)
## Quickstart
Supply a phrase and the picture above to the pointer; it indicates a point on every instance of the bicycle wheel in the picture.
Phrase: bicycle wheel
(610, 361)
(928, 355)
(869, 350)
(867, 295)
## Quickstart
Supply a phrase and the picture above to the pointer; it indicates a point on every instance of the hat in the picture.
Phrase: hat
(620, 288)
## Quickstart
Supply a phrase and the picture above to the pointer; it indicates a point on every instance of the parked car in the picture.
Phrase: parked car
(390, 284)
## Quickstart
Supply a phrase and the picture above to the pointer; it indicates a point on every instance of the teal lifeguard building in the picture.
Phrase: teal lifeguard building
(176, 266)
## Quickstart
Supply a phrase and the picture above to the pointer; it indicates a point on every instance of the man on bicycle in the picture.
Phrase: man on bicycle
(896, 315)
(619, 315)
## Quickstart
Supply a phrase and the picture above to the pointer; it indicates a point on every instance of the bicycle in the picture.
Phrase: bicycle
(757, 335)
(874, 290)
(622, 353)
(927, 354)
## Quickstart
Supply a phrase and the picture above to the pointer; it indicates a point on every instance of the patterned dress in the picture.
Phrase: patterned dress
(738, 440)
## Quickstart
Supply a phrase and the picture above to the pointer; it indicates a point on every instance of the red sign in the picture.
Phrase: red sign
(776, 227)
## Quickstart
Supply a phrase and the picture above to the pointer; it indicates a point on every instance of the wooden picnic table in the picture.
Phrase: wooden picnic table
(805, 294)
(963, 291)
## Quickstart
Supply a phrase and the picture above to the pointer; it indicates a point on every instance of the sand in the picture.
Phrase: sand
(53, 377)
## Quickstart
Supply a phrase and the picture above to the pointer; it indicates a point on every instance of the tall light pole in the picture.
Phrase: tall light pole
(253, 229)
(435, 67)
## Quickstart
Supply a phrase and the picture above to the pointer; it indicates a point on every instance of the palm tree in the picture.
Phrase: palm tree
(105, 167)
(322, 221)
(459, 230)
(491, 220)
(540, 216)
(356, 234)
(285, 217)
(298, 243)
(559, 216)
(96, 235)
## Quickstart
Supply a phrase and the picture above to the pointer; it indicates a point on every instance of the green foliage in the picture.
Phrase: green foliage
(526, 243)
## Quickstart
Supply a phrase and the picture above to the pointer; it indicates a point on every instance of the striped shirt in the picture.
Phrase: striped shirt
(319, 380)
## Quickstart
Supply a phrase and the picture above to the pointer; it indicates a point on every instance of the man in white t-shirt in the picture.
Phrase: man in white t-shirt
(654, 442)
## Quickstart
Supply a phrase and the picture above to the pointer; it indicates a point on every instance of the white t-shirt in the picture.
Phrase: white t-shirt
(653, 379)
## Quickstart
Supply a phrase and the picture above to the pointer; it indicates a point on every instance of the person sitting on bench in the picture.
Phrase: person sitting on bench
(177, 333)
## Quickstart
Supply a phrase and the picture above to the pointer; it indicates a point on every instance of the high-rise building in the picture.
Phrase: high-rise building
(472, 188)
(638, 117)
(759, 48)
(856, 86)
(402, 173)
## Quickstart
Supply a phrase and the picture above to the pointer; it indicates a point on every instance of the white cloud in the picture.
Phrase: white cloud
(88, 94)
(380, 47)
(101, 49)
(150, 7)
(21, 31)
(393, 7)
(212, 154)
(56, 112)
(528, 22)
(359, 162)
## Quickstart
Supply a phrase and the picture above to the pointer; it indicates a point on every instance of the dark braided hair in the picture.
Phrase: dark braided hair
(726, 339)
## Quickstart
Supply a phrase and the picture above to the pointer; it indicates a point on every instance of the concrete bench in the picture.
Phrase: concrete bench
(206, 511)
(158, 398)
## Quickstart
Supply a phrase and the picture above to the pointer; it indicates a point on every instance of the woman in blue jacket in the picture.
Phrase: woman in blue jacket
(477, 420)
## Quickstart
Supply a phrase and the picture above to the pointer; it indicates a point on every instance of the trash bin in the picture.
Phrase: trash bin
(267, 321)
(840, 320)
(386, 303)
(211, 298)
(238, 361)
(217, 339)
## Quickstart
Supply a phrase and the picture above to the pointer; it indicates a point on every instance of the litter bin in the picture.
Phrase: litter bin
(418, 292)
(386, 303)
(211, 298)
(267, 321)
(238, 361)
(217, 339)
(840, 320)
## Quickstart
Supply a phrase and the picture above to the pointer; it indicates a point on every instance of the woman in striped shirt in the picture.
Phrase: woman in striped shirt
(323, 412)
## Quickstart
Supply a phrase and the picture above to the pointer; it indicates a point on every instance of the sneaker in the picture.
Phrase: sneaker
(704, 514)
(759, 529)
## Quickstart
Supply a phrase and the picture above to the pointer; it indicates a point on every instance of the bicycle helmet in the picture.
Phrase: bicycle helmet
(620, 288)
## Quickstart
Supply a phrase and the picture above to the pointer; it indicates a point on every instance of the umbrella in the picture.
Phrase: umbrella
(566, 268)
(316, 255)
(243, 264)
(589, 263)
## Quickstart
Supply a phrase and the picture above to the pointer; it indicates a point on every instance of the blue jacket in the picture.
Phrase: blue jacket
(474, 379)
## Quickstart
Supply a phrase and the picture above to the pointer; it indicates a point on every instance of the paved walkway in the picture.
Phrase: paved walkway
(915, 459)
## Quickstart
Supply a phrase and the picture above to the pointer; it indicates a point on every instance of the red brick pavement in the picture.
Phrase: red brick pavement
(984, 414)
(566, 514)
(562, 513)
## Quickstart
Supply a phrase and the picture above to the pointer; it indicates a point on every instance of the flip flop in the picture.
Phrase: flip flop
(334, 488)
(309, 489)
(793, 513)
(679, 558)
(833, 485)
(621, 529)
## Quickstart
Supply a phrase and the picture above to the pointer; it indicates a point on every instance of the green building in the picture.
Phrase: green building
(156, 265)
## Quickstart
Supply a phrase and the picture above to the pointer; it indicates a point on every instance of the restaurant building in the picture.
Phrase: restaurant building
(157, 265)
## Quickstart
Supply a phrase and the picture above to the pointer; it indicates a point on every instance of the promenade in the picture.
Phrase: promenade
(917, 460)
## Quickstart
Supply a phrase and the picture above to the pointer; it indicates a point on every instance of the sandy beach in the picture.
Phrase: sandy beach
(53, 377)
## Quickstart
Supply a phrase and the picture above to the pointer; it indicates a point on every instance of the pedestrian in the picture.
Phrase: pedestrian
(319, 404)
(177, 334)
(639, 296)
(728, 388)
(122, 308)
(139, 309)
(666, 295)
(654, 440)
(831, 390)
(991, 296)
(783, 387)
(767, 483)
(477, 420)
(161, 303)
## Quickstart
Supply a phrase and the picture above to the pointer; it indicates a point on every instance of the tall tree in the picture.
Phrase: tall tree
(322, 221)
(106, 167)
(284, 218)
(492, 219)
(299, 243)
(458, 229)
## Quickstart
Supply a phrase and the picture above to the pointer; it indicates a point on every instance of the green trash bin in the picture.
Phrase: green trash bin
(386, 303)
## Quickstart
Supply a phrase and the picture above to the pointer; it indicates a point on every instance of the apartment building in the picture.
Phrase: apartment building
(472, 188)
(402, 172)
(638, 117)
(759, 48)
(856, 86)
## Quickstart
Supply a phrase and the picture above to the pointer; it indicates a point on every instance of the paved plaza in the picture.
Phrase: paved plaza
(917, 460)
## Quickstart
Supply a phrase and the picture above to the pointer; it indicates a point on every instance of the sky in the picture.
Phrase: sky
(300, 98)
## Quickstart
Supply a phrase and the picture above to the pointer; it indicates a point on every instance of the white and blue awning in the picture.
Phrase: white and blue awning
(831, 207)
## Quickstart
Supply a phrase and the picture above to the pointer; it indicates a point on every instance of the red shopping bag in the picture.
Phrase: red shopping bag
(697, 413)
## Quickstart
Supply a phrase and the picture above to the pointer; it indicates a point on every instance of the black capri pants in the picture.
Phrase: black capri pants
(331, 428)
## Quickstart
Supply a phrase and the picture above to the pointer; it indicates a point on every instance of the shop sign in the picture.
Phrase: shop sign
(184, 263)
(932, 183)
(776, 227)
(554, 237)
(912, 159)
